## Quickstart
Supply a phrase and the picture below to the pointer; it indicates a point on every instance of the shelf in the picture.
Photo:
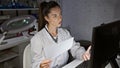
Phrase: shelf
(19, 9)
(4, 17)
(14, 42)
(7, 56)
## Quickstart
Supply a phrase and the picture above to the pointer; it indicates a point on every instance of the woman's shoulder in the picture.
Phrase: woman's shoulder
(38, 34)
(63, 30)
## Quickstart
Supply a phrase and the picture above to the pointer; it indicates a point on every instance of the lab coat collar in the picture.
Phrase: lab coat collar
(55, 40)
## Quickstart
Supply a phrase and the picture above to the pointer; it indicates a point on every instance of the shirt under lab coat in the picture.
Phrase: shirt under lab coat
(43, 39)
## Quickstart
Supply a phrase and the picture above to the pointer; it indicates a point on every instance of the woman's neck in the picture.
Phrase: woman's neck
(52, 30)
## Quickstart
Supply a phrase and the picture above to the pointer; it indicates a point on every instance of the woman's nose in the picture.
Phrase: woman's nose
(60, 17)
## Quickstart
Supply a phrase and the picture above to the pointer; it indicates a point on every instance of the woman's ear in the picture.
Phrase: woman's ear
(46, 18)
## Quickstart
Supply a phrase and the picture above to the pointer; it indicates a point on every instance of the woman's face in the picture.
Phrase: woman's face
(54, 18)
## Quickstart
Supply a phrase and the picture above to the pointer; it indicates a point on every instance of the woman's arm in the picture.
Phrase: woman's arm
(36, 52)
(78, 51)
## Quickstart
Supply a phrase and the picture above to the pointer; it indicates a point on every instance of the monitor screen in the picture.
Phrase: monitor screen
(105, 42)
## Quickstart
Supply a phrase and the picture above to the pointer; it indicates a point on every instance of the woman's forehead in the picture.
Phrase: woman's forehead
(55, 9)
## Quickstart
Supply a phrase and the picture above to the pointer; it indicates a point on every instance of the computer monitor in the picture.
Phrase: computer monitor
(106, 44)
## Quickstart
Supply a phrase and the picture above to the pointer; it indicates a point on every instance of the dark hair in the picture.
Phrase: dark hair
(44, 10)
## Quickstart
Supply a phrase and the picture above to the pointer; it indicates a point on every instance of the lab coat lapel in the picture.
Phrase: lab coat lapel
(49, 38)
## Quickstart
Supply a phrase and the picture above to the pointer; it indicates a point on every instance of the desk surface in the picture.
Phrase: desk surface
(73, 64)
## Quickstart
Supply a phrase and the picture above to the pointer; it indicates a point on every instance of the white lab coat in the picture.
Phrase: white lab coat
(43, 39)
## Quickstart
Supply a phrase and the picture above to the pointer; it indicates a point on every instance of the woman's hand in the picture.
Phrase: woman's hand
(45, 64)
(86, 55)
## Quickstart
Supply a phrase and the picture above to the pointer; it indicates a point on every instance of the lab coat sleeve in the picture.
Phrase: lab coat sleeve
(36, 52)
(77, 51)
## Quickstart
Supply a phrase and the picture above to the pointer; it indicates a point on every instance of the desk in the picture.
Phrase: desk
(73, 64)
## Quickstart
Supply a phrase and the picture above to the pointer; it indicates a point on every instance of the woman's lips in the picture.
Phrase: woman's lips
(59, 22)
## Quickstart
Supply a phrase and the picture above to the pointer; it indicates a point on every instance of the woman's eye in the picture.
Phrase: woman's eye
(55, 15)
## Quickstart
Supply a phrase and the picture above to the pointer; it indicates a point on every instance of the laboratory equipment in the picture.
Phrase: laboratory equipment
(17, 30)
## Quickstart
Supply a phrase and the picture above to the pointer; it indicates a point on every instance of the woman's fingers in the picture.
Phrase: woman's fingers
(45, 64)
(89, 48)
(86, 55)
(46, 61)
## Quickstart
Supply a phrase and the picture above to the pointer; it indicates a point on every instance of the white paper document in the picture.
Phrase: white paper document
(53, 51)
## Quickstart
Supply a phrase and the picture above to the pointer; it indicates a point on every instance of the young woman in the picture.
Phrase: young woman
(51, 33)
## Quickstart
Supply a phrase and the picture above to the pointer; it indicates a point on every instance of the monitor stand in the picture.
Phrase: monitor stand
(114, 63)
(118, 60)
(108, 66)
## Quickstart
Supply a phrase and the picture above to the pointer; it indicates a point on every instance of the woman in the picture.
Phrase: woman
(49, 34)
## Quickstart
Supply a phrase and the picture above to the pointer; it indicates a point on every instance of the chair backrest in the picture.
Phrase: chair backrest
(27, 57)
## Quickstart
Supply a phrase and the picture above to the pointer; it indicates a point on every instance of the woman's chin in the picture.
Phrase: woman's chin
(59, 25)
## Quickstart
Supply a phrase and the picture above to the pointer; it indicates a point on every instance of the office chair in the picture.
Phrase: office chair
(27, 57)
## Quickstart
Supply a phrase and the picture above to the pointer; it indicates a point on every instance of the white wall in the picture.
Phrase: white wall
(80, 16)
(117, 10)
